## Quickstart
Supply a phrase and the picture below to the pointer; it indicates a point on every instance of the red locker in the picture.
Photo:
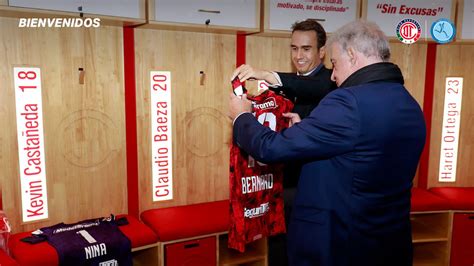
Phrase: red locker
(462, 245)
(198, 252)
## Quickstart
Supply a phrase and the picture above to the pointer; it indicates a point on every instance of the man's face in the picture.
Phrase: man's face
(304, 51)
(341, 64)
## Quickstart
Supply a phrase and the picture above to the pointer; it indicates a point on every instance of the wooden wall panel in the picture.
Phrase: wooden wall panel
(273, 53)
(270, 53)
(83, 124)
(454, 60)
(201, 129)
(411, 59)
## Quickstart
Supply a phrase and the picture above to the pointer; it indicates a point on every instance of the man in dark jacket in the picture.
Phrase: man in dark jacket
(361, 145)
(306, 88)
(312, 80)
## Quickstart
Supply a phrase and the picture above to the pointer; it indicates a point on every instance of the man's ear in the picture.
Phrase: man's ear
(352, 55)
(322, 52)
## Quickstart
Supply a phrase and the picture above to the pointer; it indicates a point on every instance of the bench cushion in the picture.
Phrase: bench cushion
(139, 234)
(459, 198)
(188, 221)
(423, 200)
(45, 254)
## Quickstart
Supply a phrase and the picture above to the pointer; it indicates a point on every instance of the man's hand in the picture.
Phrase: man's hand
(294, 118)
(238, 105)
(247, 72)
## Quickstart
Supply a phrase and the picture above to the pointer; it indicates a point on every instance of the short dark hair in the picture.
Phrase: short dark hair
(309, 25)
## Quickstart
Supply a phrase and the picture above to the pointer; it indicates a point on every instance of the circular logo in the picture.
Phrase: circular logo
(207, 131)
(88, 138)
(443, 31)
(408, 31)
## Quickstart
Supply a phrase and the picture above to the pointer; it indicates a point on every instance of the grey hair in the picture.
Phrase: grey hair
(365, 37)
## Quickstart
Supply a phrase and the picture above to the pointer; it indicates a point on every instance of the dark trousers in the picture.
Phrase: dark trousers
(277, 245)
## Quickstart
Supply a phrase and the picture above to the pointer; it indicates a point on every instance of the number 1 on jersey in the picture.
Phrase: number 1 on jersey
(87, 236)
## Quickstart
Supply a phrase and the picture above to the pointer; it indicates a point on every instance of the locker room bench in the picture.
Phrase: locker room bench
(431, 220)
(202, 227)
(441, 222)
(143, 239)
(459, 198)
(188, 221)
(423, 200)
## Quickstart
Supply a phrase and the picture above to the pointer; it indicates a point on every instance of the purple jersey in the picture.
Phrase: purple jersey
(89, 242)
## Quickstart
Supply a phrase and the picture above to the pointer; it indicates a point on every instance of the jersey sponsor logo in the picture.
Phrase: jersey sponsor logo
(255, 183)
(257, 211)
(75, 227)
(95, 250)
(270, 103)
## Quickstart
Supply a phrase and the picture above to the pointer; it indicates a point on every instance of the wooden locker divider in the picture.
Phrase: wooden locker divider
(454, 60)
(84, 129)
(201, 130)
(270, 53)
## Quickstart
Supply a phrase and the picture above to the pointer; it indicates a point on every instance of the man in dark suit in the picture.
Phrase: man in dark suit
(361, 145)
(305, 88)
(312, 80)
